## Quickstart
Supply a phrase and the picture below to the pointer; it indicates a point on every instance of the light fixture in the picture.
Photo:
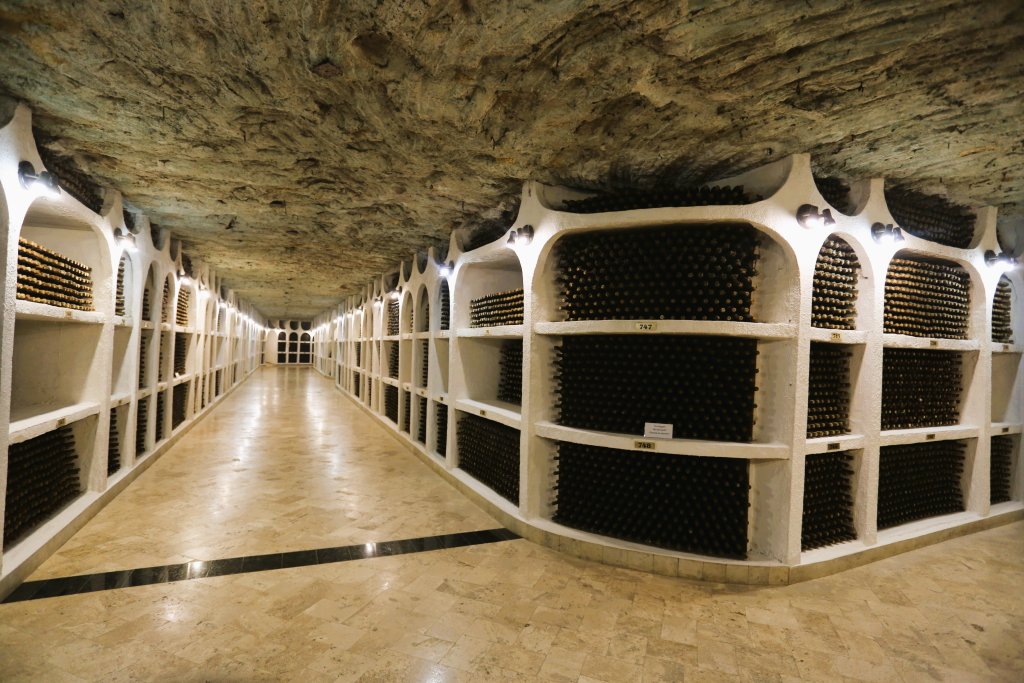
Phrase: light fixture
(393, 294)
(46, 182)
(886, 233)
(809, 217)
(1002, 262)
(520, 237)
(124, 238)
(445, 269)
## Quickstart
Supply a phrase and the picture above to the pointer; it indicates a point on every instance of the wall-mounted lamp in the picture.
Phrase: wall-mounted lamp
(124, 238)
(809, 217)
(520, 237)
(1001, 262)
(886, 233)
(445, 269)
(393, 294)
(45, 181)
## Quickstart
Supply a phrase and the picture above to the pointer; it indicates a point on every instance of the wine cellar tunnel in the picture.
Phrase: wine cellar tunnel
(592, 305)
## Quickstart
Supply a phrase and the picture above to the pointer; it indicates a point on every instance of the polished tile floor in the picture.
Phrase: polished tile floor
(286, 463)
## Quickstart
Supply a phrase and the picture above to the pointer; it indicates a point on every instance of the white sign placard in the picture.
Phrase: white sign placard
(657, 430)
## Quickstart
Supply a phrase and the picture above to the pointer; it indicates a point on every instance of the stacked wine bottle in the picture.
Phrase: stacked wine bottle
(356, 384)
(184, 301)
(489, 452)
(392, 318)
(446, 306)
(920, 388)
(1002, 326)
(48, 277)
(146, 340)
(165, 302)
(626, 200)
(828, 391)
(919, 480)
(931, 217)
(834, 288)
(217, 382)
(927, 298)
(835, 191)
(179, 404)
(441, 435)
(423, 315)
(369, 392)
(113, 444)
(1001, 469)
(392, 359)
(828, 500)
(703, 386)
(503, 308)
(407, 411)
(119, 306)
(424, 363)
(161, 368)
(180, 353)
(42, 477)
(421, 425)
(686, 272)
(391, 403)
(510, 375)
(141, 425)
(682, 503)
(72, 180)
(161, 400)
(147, 296)
(359, 354)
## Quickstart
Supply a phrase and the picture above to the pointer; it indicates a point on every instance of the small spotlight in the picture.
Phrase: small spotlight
(124, 238)
(809, 217)
(525, 235)
(185, 280)
(393, 294)
(1001, 262)
(46, 182)
(886, 233)
(444, 270)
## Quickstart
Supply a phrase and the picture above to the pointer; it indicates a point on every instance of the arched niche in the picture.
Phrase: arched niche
(48, 224)
(423, 310)
(717, 271)
(123, 287)
(933, 218)
(1003, 318)
(167, 300)
(184, 315)
(836, 285)
(408, 314)
(927, 296)
(149, 303)
(444, 304)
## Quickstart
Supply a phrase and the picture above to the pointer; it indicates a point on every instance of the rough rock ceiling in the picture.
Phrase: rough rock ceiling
(302, 147)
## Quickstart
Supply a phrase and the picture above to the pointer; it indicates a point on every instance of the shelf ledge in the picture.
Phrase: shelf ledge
(499, 332)
(692, 447)
(32, 310)
(507, 414)
(902, 341)
(895, 437)
(821, 334)
(825, 444)
(25, 426)
(120, 399)
(701, 327)
(999, 347)
(999, 428)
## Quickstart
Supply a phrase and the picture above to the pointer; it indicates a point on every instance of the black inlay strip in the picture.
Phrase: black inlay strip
(147, 576)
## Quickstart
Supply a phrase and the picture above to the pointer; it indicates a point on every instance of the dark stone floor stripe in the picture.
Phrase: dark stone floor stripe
(148, 576)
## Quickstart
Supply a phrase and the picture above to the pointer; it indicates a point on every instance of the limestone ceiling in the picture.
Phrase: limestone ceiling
(301, 147)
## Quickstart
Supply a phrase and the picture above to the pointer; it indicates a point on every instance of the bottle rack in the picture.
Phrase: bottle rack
(99, 374)
(287, 343)
(811, 296)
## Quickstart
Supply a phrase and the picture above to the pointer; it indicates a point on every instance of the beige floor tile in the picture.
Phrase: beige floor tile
(286, 463)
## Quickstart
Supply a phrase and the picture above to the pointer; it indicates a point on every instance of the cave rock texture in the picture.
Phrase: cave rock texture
(302, 146)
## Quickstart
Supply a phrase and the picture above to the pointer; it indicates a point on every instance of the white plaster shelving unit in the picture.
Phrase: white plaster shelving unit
(289, 342)
(463, 371)
(77, 368)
